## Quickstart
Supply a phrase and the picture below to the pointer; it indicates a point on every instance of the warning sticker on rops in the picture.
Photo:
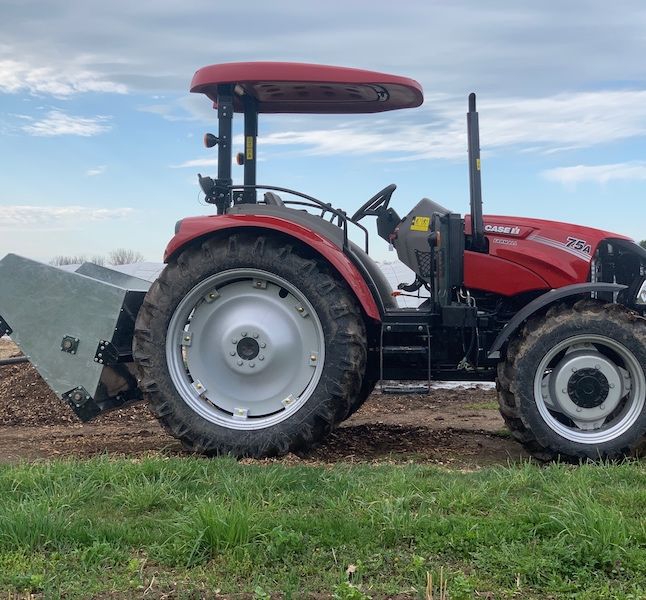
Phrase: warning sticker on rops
(420, 224)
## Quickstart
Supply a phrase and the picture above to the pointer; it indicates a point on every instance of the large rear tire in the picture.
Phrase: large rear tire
(247, 346)
(573, 384)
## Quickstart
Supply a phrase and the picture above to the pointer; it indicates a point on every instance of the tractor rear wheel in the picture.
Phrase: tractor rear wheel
(573, 385)
(248, 347)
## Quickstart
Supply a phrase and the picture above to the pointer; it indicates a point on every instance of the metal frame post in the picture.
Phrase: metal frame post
(225, 119)
(250, 140)
(478, 242)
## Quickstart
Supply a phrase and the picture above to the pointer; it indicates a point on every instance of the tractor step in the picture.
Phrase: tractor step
(405, 349)
(76, 329)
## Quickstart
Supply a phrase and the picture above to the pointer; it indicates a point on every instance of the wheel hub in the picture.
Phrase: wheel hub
(585, 385)
(588, 388)
(248, 348)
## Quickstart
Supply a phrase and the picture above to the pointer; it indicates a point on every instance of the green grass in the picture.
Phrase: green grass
(120, 527)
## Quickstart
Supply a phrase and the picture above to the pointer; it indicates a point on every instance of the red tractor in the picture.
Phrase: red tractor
(268, 326)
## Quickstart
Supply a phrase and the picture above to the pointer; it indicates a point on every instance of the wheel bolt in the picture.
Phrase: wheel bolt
(261, 357)
(239, 363)
(244, 334)
(232, 353)
(612, 385)
(578, 409)
(300, 309)
(573, 369)
(597, 367)
(603, 407)
(252, 365)
(262, 344)
(234, 341)
(255, 336)
(564, 391)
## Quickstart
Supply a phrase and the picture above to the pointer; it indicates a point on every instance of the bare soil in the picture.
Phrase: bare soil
(454, 427)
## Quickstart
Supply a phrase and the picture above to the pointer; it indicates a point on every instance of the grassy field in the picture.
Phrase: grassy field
(198, 528)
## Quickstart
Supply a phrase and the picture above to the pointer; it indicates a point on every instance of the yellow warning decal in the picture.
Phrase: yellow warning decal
(478, 164)
(420, 224)
(249, 148)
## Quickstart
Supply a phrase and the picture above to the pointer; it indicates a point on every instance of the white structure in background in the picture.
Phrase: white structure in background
(396, 272)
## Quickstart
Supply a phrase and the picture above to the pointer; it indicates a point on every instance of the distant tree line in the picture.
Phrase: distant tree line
(643, 243)
(120, 256)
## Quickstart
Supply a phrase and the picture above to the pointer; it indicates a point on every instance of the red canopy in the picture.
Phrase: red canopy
(303, 88)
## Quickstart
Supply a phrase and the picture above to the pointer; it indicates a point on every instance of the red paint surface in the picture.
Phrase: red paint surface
(305, 88)
(535, 258)
(196, 227)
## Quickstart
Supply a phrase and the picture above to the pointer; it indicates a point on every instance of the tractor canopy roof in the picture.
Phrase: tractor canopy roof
(279, 87)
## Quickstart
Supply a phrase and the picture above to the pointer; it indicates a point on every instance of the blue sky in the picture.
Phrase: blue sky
(101, 140)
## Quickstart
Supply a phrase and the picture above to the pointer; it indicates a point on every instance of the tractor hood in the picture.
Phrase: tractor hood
(528, 254)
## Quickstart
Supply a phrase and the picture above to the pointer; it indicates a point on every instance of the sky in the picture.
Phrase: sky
(101, 141)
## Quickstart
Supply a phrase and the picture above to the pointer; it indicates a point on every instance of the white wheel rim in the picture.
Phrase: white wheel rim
(590, 389)
(245, 349)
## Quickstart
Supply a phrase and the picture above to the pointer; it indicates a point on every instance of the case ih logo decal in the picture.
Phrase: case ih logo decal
(504, 229)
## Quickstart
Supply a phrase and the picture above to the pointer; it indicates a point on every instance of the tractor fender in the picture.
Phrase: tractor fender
(192, 229)
(545, 300)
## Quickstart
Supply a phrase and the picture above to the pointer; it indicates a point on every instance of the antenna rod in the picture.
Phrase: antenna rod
(478, 242)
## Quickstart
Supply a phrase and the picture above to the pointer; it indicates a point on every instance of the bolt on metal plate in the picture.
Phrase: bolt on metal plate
(199, 388)
(69, 344)
(211, 296)
(240, 413)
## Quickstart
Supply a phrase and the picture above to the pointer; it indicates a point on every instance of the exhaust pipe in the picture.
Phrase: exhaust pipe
(478, 240)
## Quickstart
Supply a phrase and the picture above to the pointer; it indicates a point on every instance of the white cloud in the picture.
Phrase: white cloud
(541, 125)
(635, 171)
(197, 162)
(58, 123)
(96, 171)
(38, 217)
(62, 81)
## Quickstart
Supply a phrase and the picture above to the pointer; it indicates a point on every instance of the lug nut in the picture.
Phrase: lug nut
(239, 363)
(232, 353)
(263, 345)
(234, 341)
(255, 336)
(244, 334)
(252, 365)
(261, 357)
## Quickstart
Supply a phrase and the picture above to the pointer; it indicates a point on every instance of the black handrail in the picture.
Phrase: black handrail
(316, 203)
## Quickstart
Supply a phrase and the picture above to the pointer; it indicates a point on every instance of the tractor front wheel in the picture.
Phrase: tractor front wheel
(573, 385)
(249, 347)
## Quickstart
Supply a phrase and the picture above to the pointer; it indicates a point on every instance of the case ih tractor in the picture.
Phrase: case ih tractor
(269, 326)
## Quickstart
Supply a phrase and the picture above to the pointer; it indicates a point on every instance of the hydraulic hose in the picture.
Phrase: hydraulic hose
(13, 361)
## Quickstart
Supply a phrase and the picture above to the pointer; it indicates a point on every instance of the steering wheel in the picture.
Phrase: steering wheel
(380, 199)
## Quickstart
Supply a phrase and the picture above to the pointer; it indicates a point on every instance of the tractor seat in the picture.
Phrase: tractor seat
(272, 199)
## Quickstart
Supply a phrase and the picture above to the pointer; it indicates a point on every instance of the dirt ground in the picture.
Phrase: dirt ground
(456, 427)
